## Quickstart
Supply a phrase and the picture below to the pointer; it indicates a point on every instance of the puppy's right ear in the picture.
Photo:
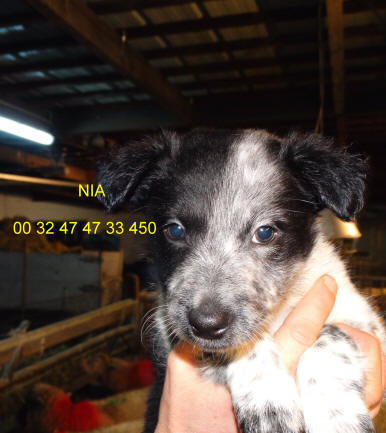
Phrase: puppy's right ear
(127, 174)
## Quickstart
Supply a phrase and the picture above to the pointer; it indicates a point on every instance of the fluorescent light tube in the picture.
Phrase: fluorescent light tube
(24, 131)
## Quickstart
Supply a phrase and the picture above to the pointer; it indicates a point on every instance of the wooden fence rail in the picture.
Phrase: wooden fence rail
(36, 341)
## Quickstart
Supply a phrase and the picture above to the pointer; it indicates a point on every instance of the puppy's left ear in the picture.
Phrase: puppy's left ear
(328, 176)
(129, 172)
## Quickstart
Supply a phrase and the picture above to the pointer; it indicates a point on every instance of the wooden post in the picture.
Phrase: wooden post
(336, 44)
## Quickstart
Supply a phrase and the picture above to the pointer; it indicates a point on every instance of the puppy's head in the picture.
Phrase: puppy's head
(234, 213)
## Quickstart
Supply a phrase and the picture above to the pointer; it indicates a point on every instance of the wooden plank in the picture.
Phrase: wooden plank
(78, 349)
(85, 25)
(33, 161)
(40, 339)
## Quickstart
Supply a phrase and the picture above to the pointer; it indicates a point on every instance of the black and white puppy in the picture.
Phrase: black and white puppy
(238, 244)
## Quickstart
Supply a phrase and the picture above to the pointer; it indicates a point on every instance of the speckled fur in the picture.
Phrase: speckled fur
(221, 186)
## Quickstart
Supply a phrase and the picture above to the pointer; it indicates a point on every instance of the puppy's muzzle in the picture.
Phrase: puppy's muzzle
(209, 321)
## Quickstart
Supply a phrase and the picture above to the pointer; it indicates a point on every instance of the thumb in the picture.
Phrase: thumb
(302, 326)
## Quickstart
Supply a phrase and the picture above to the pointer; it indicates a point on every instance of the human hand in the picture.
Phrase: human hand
(302, 327)
(190, 404)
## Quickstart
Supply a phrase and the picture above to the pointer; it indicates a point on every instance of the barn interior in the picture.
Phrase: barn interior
(91, 75)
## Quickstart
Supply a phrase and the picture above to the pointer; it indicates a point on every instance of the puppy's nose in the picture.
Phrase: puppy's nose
(208, 321)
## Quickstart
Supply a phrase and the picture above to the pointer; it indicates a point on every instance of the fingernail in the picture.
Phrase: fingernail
(330, 283)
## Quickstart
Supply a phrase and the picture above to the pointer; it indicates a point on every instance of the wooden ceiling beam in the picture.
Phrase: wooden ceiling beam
(85, 25)
(335, 26)
(119, 6)
(31, 161)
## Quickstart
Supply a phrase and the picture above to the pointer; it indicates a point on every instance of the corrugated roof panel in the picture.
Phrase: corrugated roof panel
(206, 58)
(298, 49)
(364, 18)
(192, 93)
(142, 97)
(254, 72)
(179, 79)
(8, 30)
(124, 84)
(112, 99)
(6, 59)
(221, 90)
(276, 85)
(28, 76)
(365, 41)
(302, 67)
(254, 53)
(192, 38)
(369, 61)
(125, 19)
(175, 13)
(285, 4)
(141, 44)
(246, 32)
(309, 26)
(59, 90)
(80, 102)
(67, 73)
(84, 88)
(230, 7)
(362, 77)
(102, 69)
(36, 55)
(219, 75)
(166, 62)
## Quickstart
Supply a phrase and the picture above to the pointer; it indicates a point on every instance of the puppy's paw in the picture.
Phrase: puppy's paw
(265, 396)
(330, 380)
(271, 419)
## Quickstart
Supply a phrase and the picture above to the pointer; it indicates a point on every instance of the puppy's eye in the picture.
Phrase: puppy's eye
(263, 235)
(174, 232)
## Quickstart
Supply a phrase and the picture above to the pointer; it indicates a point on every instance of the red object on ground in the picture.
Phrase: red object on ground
(64, 415)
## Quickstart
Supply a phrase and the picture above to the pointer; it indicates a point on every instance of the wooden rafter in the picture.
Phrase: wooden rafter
(335, 25)
(65, 171)
(118, 6)
(76, 17)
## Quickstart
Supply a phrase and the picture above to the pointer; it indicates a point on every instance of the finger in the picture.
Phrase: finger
(303, 325)
(375, 366)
